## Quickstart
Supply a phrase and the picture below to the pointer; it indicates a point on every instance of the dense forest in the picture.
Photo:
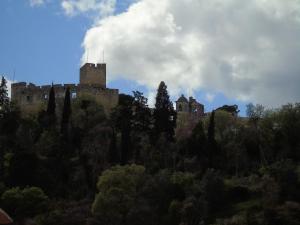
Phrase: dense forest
(79, 166)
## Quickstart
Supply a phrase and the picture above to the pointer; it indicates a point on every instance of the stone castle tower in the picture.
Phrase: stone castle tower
(189, 112)
(190, 106)
(32, 98)
(92, 74)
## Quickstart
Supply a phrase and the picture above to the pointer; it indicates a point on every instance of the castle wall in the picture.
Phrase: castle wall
(32, 98)
(108, 98)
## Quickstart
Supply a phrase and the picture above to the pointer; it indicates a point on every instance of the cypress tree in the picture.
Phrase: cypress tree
(3, 95)
(66, 112)
(50, 113)
(51, 102)
(164, 113)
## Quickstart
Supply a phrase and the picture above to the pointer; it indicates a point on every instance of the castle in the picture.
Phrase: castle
(191, 107)
(189, 112)
(32, 98)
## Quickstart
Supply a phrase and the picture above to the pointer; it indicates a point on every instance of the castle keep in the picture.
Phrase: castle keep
(191, 107)
(32, 98)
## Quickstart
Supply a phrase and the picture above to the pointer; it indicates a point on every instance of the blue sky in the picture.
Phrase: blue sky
(41, 42)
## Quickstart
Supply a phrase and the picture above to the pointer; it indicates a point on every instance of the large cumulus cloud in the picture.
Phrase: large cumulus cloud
(246, 50)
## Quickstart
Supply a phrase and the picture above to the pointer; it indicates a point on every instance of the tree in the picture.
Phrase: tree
(197, 141)
(164, 114)
(122, 120)
(24, 203)
(48, 118)
(118, 188)
(141, 124)
(66, 112)
(51, 102)
(4, 100)
(141, 120)
(254, 112)
(113, 151)
(211, 141)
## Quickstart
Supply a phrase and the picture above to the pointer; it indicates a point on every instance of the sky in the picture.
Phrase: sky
(219, 51)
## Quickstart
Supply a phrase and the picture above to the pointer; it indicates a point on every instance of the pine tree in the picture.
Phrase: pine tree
(66, 112)
(164, 114)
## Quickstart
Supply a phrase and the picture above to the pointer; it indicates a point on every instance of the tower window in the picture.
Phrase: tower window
(28, 98)
(74, 95)
(180, 108)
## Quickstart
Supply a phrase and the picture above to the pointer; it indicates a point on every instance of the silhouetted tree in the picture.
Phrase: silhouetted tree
(122, 119)
(197, 141)
(49, 117)
(164, 113)
(113, 151)
(4, 100)
(51, 102)
(141, 120)
(66, 113)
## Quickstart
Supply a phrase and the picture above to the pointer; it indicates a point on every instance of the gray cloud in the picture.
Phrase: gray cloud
(247, 50)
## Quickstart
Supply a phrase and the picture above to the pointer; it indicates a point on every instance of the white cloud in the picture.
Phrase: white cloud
(8, 84)
(102, 8)
(34, 3)
(247, 50)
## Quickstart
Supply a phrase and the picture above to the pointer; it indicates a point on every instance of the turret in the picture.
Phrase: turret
(93, 74)
(182, 104)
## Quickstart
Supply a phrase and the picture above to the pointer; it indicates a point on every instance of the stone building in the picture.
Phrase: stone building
(32, 98)
(190, 106)
(189, 112)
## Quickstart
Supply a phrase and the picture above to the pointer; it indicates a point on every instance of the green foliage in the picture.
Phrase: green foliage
(118, 188)
(23, 203)
(164, 113)
(255, 180)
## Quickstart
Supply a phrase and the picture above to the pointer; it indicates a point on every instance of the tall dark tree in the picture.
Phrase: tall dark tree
(164, 114)
(50, 113)
(141, 120)
(122, 120)
(113, 151)
(51, 102)
(197, 141)
(4, 100)
(66, 112)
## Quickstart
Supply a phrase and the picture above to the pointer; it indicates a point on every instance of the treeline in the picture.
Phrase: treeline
(78, 165)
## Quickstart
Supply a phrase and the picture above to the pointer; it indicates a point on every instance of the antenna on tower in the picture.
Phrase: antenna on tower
(87, 56)
(14, 74)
